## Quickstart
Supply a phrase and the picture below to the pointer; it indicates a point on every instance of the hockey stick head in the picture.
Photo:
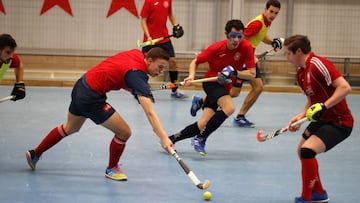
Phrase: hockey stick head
(204, 185)
(259, 136)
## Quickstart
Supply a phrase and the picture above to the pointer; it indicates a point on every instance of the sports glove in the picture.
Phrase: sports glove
(225, 75)
(18, 91)
(277, 43)
(178, 31)
(314, 112)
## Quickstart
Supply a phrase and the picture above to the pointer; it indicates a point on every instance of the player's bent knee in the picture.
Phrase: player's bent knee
(307, 153)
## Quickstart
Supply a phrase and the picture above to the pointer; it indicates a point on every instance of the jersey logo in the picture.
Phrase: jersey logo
(107, 108)
(222, 55)
(156, 3)
(166, 4)
(237, 56)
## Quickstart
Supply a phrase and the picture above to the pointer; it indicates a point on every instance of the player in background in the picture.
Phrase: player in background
(154, 15)
(9, 59)
(255, 32)
(226, 59)
(332, 122)
(126, 70)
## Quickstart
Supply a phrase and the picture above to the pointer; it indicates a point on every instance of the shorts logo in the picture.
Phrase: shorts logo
(107, 108)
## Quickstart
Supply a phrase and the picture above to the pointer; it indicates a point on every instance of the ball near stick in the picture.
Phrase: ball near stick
(207, 195)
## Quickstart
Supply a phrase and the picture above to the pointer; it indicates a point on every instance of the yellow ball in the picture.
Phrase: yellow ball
(207, 195)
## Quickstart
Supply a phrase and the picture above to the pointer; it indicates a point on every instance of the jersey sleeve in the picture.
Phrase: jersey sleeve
(145, 9)
(252, 28)
(205, 55)
(15, 62)
(138, 82)
(250, 58)
(325, 70)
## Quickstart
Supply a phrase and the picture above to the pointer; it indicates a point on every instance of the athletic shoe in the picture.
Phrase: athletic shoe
(301, 200)
(31, 158)
(115, 173)
(243, 122)
(199, 145)
(178, 95)
(319, 198)
(195, 106)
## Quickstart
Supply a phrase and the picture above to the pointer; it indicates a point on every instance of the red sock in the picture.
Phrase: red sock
(117, 147)
(318, 186)
(309, 176)
(55, 135)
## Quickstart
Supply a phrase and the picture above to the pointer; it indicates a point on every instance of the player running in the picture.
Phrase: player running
(227, 57)
(126, 70)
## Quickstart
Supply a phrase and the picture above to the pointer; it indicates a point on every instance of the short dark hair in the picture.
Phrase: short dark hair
(7, 41)
(157, 53)
(237, 24)
(295, 42)
(274, 3)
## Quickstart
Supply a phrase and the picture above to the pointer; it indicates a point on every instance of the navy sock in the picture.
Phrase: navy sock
(187, 132)
(214, 123)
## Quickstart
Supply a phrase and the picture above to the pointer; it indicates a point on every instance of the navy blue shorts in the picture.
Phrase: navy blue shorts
(213, 92)
(330, 133)
(167, 46)
(239, 82)
(89, 104)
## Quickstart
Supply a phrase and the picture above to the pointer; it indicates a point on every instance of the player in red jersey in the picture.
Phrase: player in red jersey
(154, 15)
(126, 70)
(227, 57)
(255, 32)
(326, 106)
(9, 59)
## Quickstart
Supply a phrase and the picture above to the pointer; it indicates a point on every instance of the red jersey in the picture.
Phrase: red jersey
(218, 57)
(156, 13)
(315, 80)
(110, 73)
(15, 61)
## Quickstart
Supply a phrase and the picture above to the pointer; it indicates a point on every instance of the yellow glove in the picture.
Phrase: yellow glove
(314, 112)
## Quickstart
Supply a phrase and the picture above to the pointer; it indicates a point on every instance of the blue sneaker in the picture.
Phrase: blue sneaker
(199, 145)
(31, 158)
(115, 173)
(319, 198)
(195, 106)
(178, 95)
(243, 122)
(301, 200)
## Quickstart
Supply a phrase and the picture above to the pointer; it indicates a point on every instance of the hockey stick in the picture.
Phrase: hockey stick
(199, 81)
(164, 86)
(189, 172)
(275, 133)
(151, 42)
(7, 98)
(262, 55)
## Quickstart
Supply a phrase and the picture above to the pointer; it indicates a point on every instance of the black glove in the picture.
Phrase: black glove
(18, 91)
(178, 31)
(276, 43)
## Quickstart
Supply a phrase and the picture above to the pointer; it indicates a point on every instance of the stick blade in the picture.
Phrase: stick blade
(258, 136)
(204, 185)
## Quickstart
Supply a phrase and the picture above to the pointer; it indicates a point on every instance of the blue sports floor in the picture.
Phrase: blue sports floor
(240, 168)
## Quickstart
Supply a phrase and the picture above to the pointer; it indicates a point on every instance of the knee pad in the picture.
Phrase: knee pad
(307, 153)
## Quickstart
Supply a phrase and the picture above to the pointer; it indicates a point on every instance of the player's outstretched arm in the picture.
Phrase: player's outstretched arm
(148, 107)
